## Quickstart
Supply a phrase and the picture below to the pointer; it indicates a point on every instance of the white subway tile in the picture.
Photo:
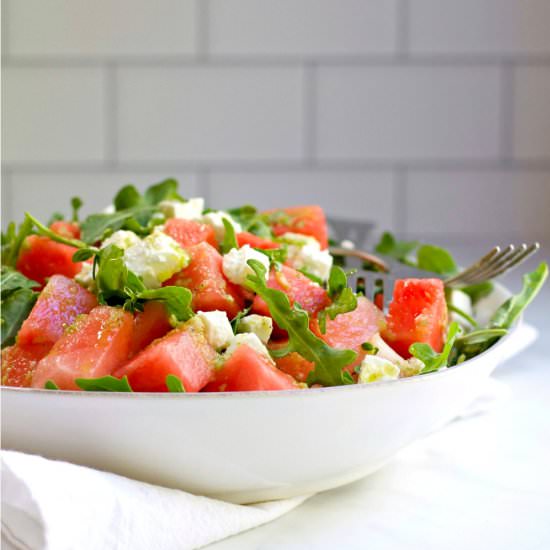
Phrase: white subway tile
(63, 28)
(43, 194)
(302, 27)
(532, 113)
(359, 195)
(205, 114)
(479, 203)
(412, 113)
(52, 114)
(498, 27)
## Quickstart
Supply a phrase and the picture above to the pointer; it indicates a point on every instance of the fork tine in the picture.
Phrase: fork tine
(474, 267)
(521, 255)
(507, 256)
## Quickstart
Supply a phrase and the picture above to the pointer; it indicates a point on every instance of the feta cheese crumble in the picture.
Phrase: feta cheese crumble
(155, 258)
(260, 325)
(377, 369)
(304, 252)
(251, 340)
(215, 219)
(216, 328)
(235, 266)
(189, 210)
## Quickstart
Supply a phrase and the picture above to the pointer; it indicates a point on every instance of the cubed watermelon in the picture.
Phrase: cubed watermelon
(255, 242)
(94, 346)
(249, 370)
(19, 364)
(205, 278)
(307, 220)
(149, 324)
(189, 233)
(293, 363)
(40, 258)
(183, 352)
(417, 313)
(69, 230)
(58, 305)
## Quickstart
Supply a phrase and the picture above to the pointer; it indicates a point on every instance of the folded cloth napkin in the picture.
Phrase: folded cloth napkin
(54, 505)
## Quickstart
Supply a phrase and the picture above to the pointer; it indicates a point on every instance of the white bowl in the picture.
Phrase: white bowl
(244, 447)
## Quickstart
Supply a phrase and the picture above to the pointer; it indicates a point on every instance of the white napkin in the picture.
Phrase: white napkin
(53, 505)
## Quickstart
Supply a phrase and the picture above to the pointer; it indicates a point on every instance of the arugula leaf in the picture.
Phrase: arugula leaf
(278, 256)
(94, 227)
(311, 277)
(434, 361)
(434, 258)
(229, 238)
(475, 343)
(83, 254)
(10, 280)
(235, 321)
(176, 300)
(47, 232)
(343, 298)
(51, 385)
(478, 291)
(56, 217)
(328, 361)
(128, 197)
(76, 205)
(399, 250)
(462, 313)
(508, 312)
(174, 384)
(251, 220)
(164, 191)
(13, 240)
(105, 383)
(16, 307)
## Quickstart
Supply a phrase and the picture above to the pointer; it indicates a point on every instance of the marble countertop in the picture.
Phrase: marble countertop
(481, 483)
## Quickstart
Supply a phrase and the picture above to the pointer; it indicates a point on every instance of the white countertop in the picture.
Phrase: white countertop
(482, 482)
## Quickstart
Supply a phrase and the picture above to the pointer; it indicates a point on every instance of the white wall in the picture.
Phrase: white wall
(428, 116)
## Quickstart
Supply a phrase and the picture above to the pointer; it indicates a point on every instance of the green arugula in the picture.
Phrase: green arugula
(76, 205)
(235, 321)
(56, 217)
(343, 298)
(105, 383)
(434, 258)
(434, 361)
(12, 241)
(174, 384)
(398, 250)
(133, 211)
(229, 239)
(17, 298)
(47, 232)
(507, 313)
(50, 385)
(251, 220)
(328, 361)
(277, 256)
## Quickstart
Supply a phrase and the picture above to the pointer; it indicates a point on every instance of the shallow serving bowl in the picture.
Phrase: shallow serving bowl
(246, 447)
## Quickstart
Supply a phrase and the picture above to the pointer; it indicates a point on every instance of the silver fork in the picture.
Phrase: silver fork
(493, 264)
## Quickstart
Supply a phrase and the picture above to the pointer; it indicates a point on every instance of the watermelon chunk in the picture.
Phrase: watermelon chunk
(40, 258)
(292, 364)
(182, 352)
(189, 233)
(94, 346)
(70, 230)
(149, 324)
(205, 278)
(19, 364)
(417, 313)
(255, 242)
(299, 289)
(58, 305)
(307, 220)
(249, 370)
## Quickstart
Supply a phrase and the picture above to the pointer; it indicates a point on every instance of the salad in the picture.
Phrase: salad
(158, 293)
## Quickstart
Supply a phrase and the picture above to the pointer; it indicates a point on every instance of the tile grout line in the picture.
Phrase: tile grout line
(507, 98)
(202, 40)
(402, 46)
(310, 113)
(111, 114)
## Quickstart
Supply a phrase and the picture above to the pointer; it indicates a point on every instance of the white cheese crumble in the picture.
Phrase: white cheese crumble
(462, 301)
(155, 258)
(251, 340)
(260, 325)
(235, 266)
(189, 210)
(215, 219)
(377, 369)
(85, 276)
(304, 252)
(216, 328)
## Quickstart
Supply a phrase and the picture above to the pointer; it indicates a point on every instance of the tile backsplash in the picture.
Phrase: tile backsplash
(430, 117)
